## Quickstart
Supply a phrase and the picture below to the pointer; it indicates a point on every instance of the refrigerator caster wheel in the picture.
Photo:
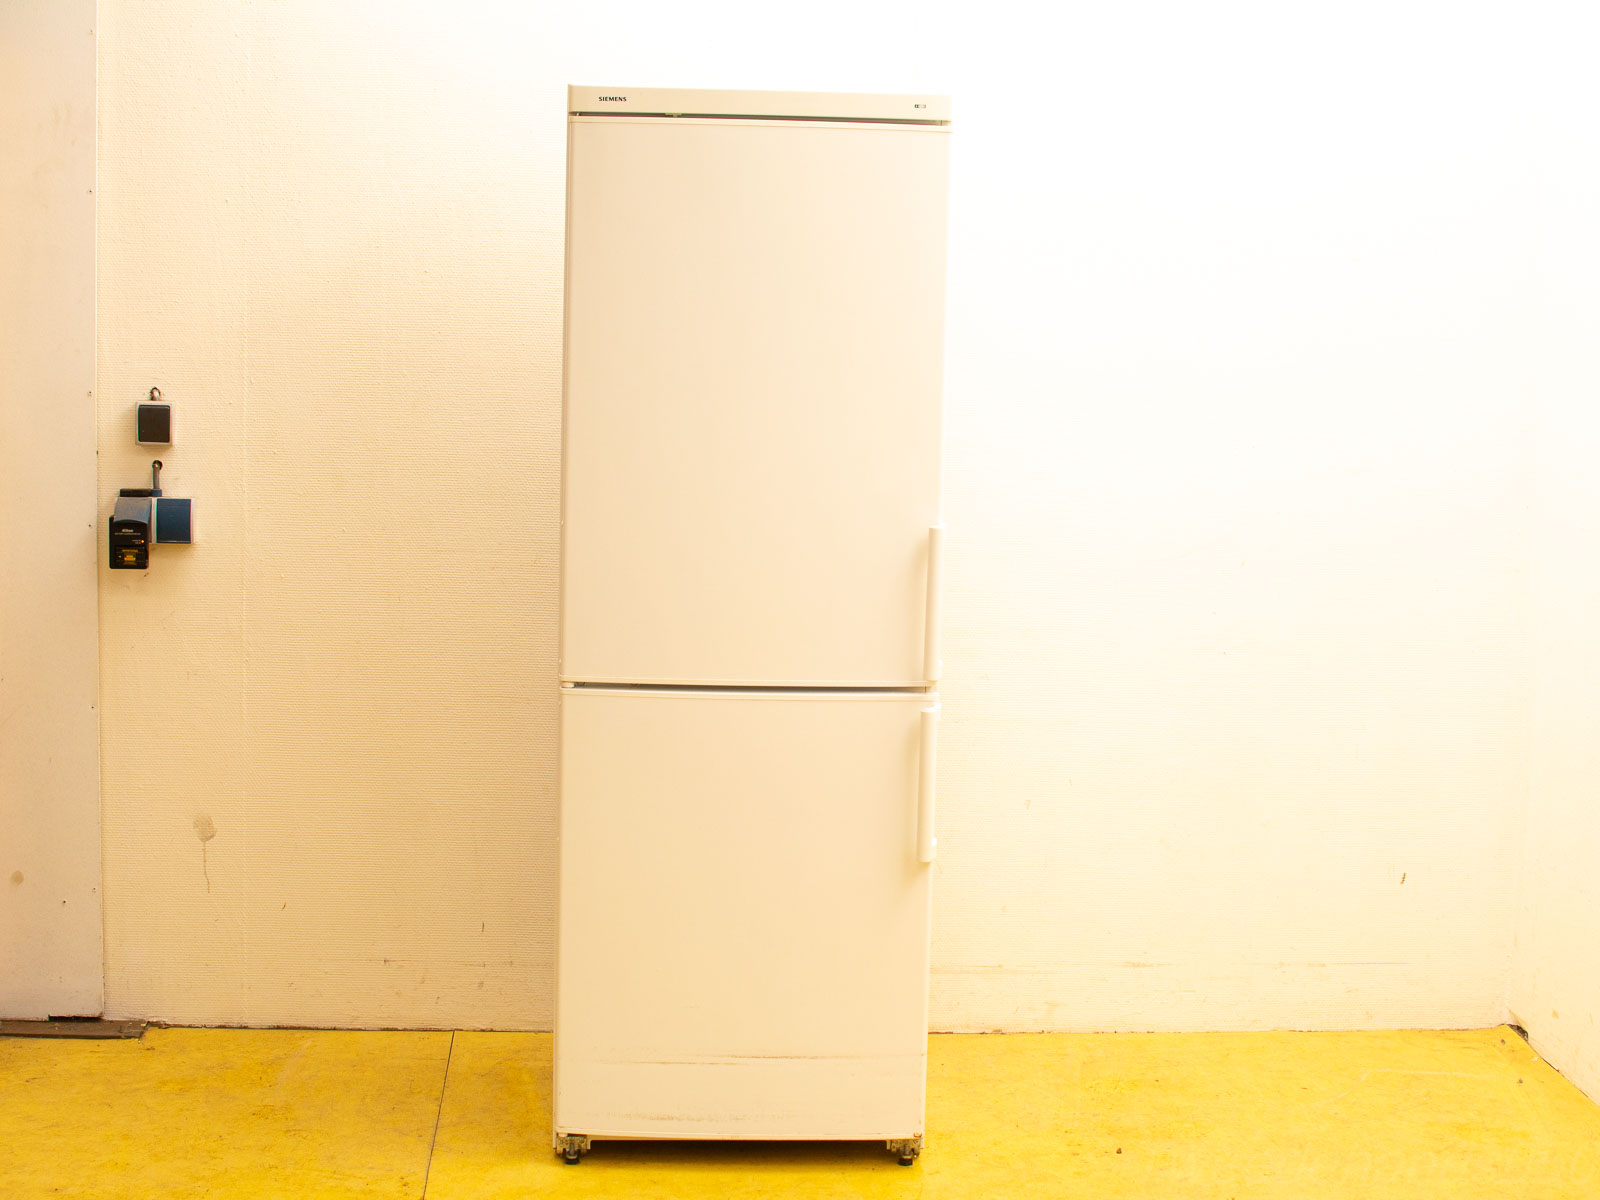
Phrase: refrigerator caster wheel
(572, 1147)
(907, 1149)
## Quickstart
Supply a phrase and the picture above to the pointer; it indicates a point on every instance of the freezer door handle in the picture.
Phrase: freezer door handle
(931, 666)
(927, 844)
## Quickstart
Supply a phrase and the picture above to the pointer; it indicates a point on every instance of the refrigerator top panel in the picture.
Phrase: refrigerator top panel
(771, 106)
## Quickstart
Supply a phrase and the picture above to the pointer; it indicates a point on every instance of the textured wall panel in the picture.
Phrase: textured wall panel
(1235, 689)
(50, 935)
(336, 247)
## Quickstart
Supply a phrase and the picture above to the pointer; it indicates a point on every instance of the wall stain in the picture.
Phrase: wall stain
(16, 877)
(205, 829)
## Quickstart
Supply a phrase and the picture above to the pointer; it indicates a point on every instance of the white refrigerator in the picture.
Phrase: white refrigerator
(751, 549)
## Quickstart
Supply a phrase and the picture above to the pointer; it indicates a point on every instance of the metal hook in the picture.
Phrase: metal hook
(155, 476)
(155, 393)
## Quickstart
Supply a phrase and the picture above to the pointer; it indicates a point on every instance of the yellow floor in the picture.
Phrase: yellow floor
(288, 1113)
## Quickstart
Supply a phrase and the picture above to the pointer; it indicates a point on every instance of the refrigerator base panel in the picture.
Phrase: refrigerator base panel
(571, 1147)
(823, 1100)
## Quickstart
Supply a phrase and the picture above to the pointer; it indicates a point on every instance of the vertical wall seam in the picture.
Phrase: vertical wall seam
(246, 897)
(94, 516)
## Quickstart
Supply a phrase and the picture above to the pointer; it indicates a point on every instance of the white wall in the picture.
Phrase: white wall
(332, 237)
(1236, 684)
(1556, 992)
(50, 934)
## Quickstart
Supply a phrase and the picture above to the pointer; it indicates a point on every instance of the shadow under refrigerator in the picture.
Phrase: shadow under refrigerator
(751, 549)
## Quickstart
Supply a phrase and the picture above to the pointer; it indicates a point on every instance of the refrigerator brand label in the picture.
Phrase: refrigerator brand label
(623, 98)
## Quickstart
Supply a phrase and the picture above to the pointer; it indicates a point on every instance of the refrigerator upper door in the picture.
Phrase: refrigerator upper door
(743, 916)
(754, 329)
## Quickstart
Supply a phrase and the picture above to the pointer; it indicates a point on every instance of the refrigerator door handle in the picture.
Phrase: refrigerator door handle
(927, 844)
(932, 667)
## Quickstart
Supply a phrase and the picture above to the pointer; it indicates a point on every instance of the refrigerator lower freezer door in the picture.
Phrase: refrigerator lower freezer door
(744, 916)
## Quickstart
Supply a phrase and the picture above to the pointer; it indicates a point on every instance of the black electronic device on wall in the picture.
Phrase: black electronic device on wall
(152, 423)
(143, 517)
(153, 426)
(131, 533)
